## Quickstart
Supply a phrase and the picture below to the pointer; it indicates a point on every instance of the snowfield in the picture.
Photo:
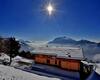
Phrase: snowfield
(10, 73)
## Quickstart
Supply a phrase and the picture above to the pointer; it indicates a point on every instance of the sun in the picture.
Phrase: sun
(50, 8)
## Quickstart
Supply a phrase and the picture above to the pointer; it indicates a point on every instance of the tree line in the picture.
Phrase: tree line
(11, 46)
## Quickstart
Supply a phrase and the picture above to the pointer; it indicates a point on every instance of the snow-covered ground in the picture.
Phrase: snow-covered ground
(10, 73)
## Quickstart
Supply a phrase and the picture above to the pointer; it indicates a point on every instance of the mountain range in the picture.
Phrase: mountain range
(66, 41)
(91, 49)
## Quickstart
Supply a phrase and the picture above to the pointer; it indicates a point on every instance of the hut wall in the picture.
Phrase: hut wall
(58, 63)
(41, 59)
(64, 64)
(70, 65)
(52, 61)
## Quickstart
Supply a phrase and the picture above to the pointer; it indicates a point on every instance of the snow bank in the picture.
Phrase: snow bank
(4, 56)
(18, 58)
(98, 68)
(10, 73)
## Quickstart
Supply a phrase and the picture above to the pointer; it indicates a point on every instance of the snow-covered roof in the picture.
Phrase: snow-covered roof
(87, 63)
(10, 73)
(63, 52)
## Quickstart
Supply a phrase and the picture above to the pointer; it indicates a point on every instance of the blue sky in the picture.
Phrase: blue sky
(27, 19)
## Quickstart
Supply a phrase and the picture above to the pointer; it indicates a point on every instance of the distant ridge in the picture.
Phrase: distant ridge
(90, 48)
(65, 40)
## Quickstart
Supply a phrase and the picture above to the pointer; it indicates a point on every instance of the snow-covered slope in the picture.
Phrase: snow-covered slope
(63, 40)
(30, 45)
(25, 45)
(10, 73)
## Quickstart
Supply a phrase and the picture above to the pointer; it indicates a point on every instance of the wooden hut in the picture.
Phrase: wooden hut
(63, 57)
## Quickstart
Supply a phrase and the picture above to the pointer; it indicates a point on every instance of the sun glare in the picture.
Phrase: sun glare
(50, 9)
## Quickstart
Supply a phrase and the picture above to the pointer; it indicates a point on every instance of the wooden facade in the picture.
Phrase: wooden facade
(70, 64)
(64, 63)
